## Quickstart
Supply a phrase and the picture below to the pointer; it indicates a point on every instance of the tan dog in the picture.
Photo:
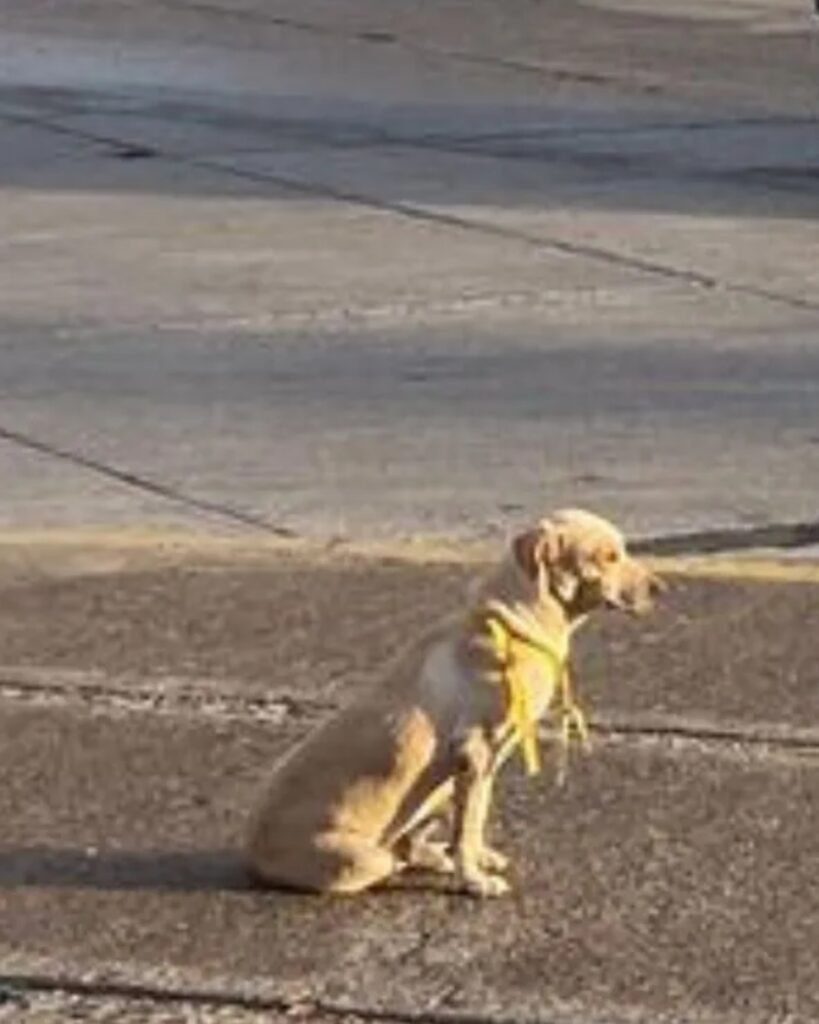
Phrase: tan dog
(353, 804)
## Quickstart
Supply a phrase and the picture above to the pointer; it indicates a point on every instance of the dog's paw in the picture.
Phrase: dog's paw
(485, 885)
(493, 860)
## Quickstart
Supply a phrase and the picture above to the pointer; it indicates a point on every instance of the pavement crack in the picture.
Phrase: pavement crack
(143, 483)
(634, 82)
(771, 736)
(237, 701)
(22, 983)
(226, 700)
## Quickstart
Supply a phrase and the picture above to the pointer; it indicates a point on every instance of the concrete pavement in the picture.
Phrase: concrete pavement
(348, 269)
(147, 688)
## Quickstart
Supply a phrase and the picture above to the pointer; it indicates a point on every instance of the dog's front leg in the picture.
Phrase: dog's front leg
(473, 791)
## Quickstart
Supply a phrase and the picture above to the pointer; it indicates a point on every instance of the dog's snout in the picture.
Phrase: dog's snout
(639, 588)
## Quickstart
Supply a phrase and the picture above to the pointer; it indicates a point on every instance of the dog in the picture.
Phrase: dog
(356, 801)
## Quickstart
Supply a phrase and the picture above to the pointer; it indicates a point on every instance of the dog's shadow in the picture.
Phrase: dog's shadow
(170, 871)
(216, 870)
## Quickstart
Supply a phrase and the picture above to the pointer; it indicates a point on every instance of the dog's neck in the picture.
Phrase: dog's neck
(533, 613)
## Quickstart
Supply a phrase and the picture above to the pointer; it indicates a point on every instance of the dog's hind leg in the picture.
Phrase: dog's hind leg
(360, 863)
(417, 849)
(333, 862)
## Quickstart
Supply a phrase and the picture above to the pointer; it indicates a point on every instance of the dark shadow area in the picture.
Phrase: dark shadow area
(406, 156)
(766, 385)
(159, 871)
(170, 871)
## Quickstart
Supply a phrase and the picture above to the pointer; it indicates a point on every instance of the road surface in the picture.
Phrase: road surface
(355, 268)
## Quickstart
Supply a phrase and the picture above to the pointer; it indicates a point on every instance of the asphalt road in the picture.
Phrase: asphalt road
(144, 693)
(361, 268)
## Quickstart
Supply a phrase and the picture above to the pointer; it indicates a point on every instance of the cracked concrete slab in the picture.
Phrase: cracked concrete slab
(407, 432)
(610, 224)
(507, 229)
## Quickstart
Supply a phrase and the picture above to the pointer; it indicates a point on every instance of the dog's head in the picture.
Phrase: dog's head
(581, 560)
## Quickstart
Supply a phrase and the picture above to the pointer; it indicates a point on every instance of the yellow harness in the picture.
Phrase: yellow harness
(507, 647)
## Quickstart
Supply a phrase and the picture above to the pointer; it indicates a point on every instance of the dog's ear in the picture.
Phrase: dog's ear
(526, 548)
(544, 554)
(538, 551)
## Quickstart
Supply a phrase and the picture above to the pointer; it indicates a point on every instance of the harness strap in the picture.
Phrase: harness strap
(506, 646)
(572, 717)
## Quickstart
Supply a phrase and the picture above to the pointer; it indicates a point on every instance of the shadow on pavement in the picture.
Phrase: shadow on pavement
(407, 157)
(122, 870)
(216, 870)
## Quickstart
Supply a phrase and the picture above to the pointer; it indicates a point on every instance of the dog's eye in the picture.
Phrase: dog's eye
(609, 556)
